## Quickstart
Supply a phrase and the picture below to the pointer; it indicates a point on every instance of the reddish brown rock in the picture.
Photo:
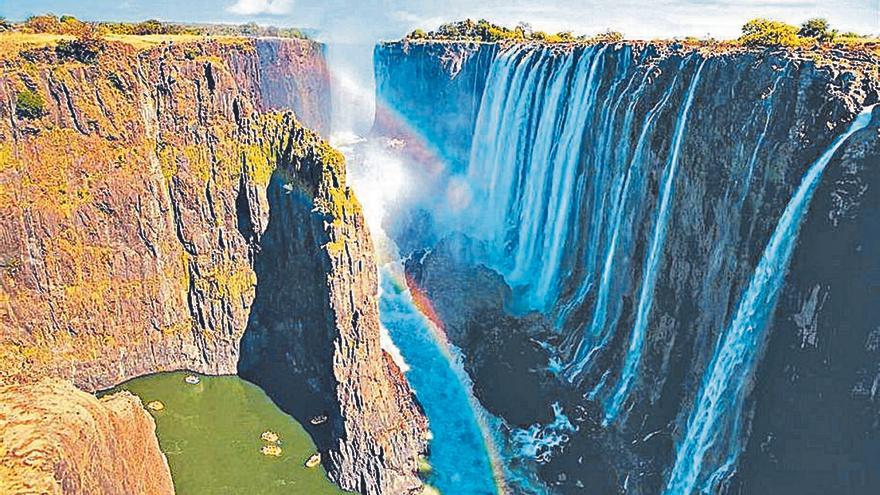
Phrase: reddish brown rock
(56, 439)
(137, 219)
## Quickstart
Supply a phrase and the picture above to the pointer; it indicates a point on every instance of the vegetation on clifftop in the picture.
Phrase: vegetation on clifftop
(485, 31)
(71, 26)
(757, 32)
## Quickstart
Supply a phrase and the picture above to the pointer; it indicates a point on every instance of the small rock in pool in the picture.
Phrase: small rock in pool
(317, 420)
(271, 449)
(313, 461)
(192, 379)
(155, 405)
(269, 436)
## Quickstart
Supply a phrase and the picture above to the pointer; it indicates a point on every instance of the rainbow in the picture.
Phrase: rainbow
(424, 305)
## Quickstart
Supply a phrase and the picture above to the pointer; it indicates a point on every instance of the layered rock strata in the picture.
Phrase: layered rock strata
(57, 439)
(138, 212)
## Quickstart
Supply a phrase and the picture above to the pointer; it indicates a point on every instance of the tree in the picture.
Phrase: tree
(818, 29)
(151, 26)
(765, 32)
(609, 36)
(86, 48)
(71, 25)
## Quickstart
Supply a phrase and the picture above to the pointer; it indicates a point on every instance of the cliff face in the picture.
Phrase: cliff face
(312, 340)
(120, 243)
(639, 300)
(294, 76)
(451, 75)
(138, 216)
(57, 439)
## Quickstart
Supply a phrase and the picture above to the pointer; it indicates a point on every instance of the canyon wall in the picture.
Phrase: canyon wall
(60, 440)
(141, 208)
(634, 190)
(452, 75)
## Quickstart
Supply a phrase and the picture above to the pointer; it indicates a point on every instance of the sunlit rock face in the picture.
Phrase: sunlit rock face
(690, 227)
(56, 439)
(160, 214)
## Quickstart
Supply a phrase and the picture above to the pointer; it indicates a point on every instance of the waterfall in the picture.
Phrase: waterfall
(525, 160)
(716, 411)
(461, 452)
(631, 183)
(646, 295)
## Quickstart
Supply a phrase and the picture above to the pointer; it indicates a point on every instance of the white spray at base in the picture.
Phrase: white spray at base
(470, 454)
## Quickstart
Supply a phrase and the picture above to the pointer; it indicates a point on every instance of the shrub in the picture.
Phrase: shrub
(71, 25)
(46, 23)
(483, 30)
(818, 29)
(765, 32)
(151, 26)
(85, 49)
(609, 37)
(29, 105)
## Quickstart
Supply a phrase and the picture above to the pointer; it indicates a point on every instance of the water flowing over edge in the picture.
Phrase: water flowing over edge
(716, 411)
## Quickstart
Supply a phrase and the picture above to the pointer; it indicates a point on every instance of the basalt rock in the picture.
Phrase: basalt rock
(138, 217)
(777, 110)
(56, 439)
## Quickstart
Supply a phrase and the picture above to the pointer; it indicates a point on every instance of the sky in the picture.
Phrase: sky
(365, 20)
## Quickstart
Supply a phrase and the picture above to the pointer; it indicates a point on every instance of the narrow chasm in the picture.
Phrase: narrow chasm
(165, 217)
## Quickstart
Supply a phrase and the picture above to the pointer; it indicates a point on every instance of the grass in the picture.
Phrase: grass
(12, 42)
(151, 40)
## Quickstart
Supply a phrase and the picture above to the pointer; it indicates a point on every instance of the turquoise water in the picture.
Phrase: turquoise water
(459, 455)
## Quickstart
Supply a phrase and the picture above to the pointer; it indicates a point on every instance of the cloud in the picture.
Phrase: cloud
(256, 7)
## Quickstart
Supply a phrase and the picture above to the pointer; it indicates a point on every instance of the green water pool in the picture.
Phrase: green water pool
(210, 433)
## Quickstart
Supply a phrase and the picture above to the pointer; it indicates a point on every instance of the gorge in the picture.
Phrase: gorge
(154, 210)
(626, 233)
(510, 267)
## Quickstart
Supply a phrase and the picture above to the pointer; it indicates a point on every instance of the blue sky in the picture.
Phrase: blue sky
(363, 20)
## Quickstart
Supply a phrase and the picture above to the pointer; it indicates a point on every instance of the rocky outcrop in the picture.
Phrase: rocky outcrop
(775, 110)
(508, 366)
(138, 217)
(312, 339)
(56, 439)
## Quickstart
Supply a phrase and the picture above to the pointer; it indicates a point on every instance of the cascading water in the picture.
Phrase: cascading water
(529, 129)
(462, 453)
(460, 447)
(715, 415)
(606, 190)
(628, 182)
(646, 295)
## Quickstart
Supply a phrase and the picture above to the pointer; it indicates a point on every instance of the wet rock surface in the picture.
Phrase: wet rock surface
(820, 357)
